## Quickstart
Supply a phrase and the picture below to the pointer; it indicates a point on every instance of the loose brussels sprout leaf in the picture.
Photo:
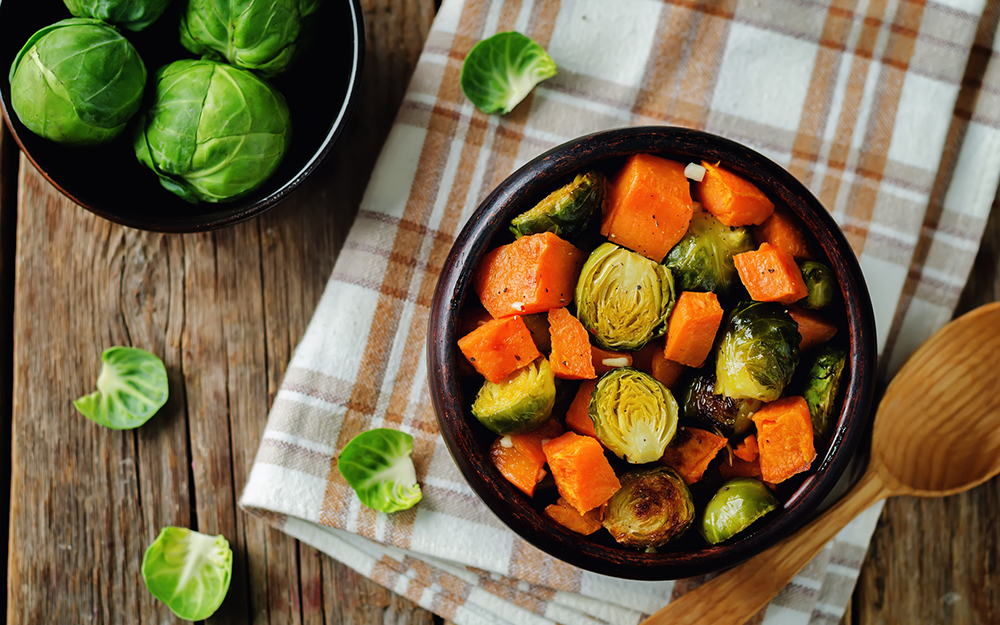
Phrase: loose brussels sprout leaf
(77, 82)
(131, 14)
(565, 212)
(822, 385)
(703, 259)
(736, 505)
(758, 352)
(131, 387)
(729, 416)
(261, 35)
(521, 402)
(189, 571)
(378, 467)
(820, 282)
(501, 70)
(634, 415)
(214, 132)
(653, 507)
(623, 298)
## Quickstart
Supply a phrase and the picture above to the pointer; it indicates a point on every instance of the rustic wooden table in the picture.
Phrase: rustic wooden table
(224, 310)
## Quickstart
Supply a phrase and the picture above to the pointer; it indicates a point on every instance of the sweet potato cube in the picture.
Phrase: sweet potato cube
(567, 516)
(691, 451)
(747, 449)
(519, 457)
(571, 358)
(733, 200)
(781, 230)
(813, 328)
(665, 370)
(692, 328)
(785, 439)
(578, 416)
(583, 475)
(499, 347)
(771, 275)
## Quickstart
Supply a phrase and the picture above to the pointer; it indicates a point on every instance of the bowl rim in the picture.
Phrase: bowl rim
(240, 210)
(535, 178)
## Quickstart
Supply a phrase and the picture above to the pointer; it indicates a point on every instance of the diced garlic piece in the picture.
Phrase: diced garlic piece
(518, 306)
(507, 442)
(695, 172)
(621, 361)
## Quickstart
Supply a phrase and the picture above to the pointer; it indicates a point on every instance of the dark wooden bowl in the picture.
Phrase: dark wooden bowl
(321, 89)
(469, 441)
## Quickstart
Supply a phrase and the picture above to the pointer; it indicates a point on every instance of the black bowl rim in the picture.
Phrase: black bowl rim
(536, 176)
(245, 210)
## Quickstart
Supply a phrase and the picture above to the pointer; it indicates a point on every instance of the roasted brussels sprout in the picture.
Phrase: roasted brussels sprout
(737, 504)
(77, 81)
(729, 416)
(130, 14)
(623, 298)
(566, 211)
(758, 352)
(519, 403)
(822, 385)
(653, 507)
(703, 259)
(253, 34)
(634, 415)
(820, 282)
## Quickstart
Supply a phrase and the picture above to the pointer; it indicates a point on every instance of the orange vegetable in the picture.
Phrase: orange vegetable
(692, 328)
(564, 514)
(666, 371)
(571, 358)
(691, 451)
(578, 416)
(642, 358)
(771, 275)
(605, 360)
(533, 274)
(733, 200)
(523, 462)
(813, 328)
(740, 468)
(785, 438)
(747, 449)
(781, 230)
(582, 474)
(499, 347)
(649, 206)
(538, 325)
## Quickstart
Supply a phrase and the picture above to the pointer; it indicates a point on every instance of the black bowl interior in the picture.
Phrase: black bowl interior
(320, 88)
(469, 441)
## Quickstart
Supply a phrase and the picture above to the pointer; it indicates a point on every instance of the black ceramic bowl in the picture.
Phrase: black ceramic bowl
(469, 441)
(321, 88)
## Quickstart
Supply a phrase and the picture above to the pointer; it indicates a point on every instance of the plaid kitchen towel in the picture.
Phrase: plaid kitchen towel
(888, 110)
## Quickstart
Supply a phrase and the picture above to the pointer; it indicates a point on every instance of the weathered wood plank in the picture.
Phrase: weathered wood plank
(8, 238)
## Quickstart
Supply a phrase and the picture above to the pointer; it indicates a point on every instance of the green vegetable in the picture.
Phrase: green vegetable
(736, 505)
(624, 299)
(565, 212)
(214, 132)
(729, 416)
(131, 387)
(501, 70)
(521, 402)
(77, 81)
(262, 35)
(130, 14)
(189, 571)
(634, 415)
(378, 467)
(703, 259)
(653, 507)
(758, 352)
(821, 283)
(822, 386)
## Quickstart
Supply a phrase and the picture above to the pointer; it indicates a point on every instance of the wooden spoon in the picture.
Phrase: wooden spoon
(936, 433)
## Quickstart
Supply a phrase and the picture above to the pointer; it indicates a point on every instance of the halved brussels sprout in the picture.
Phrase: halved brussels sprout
(566, 211)
(623, 298)
(188, 571)
(501, 70)
(820, 282)
(703, 259)
(758, 353)
(131, 388)
(730, 416)
(521, 402)
(737, 504)
(653, 507)
(822, 385)
(634, 415)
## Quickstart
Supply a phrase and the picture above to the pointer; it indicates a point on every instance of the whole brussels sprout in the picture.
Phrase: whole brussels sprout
(735, 507)
(130, 14)
(820, 282)
(566, 211)
(730, 416)
(521, 402)
(822, 385)
(262, 35)
(77, 81)
(634, 415)
(758, 352)
(623, 298)
(703, 259)
(653, 507)
(214, 132)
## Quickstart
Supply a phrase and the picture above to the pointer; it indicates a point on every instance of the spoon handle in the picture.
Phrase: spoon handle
(737, 594)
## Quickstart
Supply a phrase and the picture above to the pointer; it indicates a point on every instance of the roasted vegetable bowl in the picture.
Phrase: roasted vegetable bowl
(652, 352)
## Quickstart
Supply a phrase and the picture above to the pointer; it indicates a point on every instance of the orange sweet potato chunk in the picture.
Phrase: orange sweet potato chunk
(781, 230)
(747, 449)
(692, 328)
(664, 370)
(564, 514)
(520, 458)
(499, 347)
(691, 451)
(578, 416)
(605, 360)
(571, 357)
(785, 439)
(733, 200)
(771, 275)
(583, 475)
(813, 328)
